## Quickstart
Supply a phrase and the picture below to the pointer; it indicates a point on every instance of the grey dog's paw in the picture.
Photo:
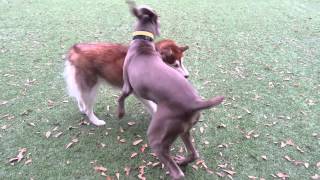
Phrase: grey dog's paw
(120, 113)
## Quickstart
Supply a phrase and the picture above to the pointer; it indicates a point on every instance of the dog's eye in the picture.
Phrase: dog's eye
(175, 65)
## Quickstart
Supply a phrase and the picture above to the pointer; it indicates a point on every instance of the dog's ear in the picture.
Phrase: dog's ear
(166, 52)
(184, 48)
(133, 9)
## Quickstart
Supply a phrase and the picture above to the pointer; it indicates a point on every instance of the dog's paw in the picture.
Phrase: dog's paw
(98, 122)
(181, 160)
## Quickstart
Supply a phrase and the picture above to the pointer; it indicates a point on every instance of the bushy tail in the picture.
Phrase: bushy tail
(209, 103)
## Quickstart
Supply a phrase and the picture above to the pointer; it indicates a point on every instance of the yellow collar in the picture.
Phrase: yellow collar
(143, 33)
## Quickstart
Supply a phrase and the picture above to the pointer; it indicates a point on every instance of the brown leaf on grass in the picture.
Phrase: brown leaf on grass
(73, 141)
(195, 167)
(136, 142)
(315, 177)
(271, 124)
(4, 127)
(3, 103)
(143, 147)
(121, 130)
(133, 155)
(229, 172)
(48, 134)
(29, 161)
(249, 134)
(221, 174)
(206, 142)
(318, 164)
(155, 164)
(288, 158)
(221, 125)
(282, 175)
(58, 134)
(201, 163)
(264, 157)
(223, 165)
(290, 142)
(19, 157)
(131, 123)
(118, 175)
(31, 124)
(252, 177)
(122, 140)
(100, 169)
(127, 170)
(299, 149)
(223, 145)
(141, 172)
(201, 130)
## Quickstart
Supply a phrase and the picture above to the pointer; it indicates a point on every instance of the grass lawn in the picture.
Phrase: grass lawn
(264, 56)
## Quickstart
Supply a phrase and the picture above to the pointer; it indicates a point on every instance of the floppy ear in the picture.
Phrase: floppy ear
(184, 48)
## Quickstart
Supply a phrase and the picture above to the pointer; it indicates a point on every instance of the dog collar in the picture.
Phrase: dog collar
(145, 35)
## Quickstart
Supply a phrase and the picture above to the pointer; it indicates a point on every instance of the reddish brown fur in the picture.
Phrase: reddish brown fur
(105, 60)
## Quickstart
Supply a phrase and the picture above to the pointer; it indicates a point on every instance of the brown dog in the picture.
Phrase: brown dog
(88, 64)
(178, 102)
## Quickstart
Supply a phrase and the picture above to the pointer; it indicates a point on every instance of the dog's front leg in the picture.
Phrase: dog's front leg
(192, 152)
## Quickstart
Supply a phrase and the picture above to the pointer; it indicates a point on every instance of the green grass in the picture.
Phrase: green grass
(264, 56)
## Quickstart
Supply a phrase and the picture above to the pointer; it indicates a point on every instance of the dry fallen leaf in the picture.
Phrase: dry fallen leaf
(201, 130)
(31, 124)
(29, 161)
(19, 157)
(48, 134)
(127, 170)
(73, 141)
(318, 164)
(58, 134)
(122, 140)
(141, 173)
(299, 149)
(155, 164)
(229, 172)
(315, 177)
(195, 167)
(131, 123)
(4, 127)
(133, 155)
(264, 157)
(220, 174)
(136, 142)
(288, 158)
(100, 169)
(143, 147)
(118, 175)
(282, 175)
(252, 177)
(222, 125)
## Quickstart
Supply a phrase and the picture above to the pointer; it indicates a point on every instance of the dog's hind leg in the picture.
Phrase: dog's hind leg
(161, 134)
(88, 99)
(193, 153)
(126, 91)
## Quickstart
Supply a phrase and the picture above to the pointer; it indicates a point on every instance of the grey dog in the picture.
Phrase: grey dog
(178, 102)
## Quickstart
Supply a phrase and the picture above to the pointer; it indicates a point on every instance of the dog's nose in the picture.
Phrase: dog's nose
(186, 76)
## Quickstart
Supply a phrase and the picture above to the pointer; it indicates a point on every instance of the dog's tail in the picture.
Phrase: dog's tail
(206, 104)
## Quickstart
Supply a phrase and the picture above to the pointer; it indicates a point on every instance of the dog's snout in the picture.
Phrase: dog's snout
(186, 76)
